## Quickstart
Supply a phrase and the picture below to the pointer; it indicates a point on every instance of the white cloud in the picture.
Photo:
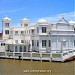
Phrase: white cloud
(9, 11)
(53, 19)
(67, 16)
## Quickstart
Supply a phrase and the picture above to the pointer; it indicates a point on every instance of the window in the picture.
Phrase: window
(37, 43)
(22, 32)
(74, 42)
(43, 43)
(49, 43)
(6, 24)
(64, 44)
(16, 41)
(2, 44)
(22, 41)
(6, 31)
(37, 29)
(74, 30)
(25, 24)
(43, 29)
(24, 48)
(32, 42)
(32, 31)
(16, 32)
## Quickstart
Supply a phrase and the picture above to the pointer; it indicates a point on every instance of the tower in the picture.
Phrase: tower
(25, 22)
(6, 22)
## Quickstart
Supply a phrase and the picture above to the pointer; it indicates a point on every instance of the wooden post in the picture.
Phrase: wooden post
(31, 56)
(41, 57)
(50, 57)
(14, 55)
(22, 55)
(62, 57)
(6, 55)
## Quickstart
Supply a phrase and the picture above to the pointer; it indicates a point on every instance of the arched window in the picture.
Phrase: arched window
(20, 48)
(24, 48)
(16, 48)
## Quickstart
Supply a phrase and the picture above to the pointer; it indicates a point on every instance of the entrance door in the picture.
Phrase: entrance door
(64, 45)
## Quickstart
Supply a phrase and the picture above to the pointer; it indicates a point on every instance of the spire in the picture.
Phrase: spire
(63, 18)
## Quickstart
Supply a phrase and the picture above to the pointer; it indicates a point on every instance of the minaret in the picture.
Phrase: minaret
(25, 22)
(6, 22)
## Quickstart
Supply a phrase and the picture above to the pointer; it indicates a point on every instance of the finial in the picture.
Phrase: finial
(62, 17)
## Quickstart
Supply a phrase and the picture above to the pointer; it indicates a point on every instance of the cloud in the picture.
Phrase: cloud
(10, 11)
(53, 19)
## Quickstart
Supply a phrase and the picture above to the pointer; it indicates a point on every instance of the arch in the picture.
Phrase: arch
(20, 48)
(16, 49)
(24, 48)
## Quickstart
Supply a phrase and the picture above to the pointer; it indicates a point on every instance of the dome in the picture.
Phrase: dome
(25, 19)
(42, 21)
(72, 22)
(62, 20)
(6, 18)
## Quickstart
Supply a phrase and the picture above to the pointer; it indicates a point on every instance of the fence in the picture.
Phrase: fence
(38, 56)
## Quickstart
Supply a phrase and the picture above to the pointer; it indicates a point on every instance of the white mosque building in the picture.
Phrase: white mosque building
(42, 37)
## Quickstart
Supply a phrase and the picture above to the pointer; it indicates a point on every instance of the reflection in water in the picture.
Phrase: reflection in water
(24, 67)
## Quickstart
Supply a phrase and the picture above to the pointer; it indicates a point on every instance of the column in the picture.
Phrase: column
(14, 48)
(40, 44)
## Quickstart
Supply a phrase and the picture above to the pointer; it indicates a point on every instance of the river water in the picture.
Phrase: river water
(26, 67)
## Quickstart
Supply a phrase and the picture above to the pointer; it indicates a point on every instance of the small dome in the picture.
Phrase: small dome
(6, 18)
(42, 21)
(72, 22)
(25, 19)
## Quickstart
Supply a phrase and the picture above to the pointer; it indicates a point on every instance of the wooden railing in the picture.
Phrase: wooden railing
(60, 56)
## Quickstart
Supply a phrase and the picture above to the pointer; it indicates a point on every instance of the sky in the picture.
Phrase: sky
(51, 10)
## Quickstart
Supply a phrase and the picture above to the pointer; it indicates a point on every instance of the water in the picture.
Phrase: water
(25, 67)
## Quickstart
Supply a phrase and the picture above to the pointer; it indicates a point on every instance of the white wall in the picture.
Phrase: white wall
(2, 48)
(62, 26)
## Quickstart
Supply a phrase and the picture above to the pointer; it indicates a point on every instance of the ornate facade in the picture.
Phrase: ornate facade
(42, 37)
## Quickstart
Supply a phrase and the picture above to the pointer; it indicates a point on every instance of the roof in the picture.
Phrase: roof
(63, 20)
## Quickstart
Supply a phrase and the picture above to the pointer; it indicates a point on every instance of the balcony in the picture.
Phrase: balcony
(42, 33)
(63, 34)
(71, 30)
